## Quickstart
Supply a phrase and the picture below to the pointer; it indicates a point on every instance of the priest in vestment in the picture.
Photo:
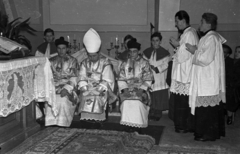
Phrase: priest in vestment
(181, 73)
(158, 58)
(65, 71)
(96, 80)
(207, 88)
(135, 79)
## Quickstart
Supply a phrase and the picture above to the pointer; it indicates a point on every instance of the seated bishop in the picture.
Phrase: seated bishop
(96, 80)
(135, 79)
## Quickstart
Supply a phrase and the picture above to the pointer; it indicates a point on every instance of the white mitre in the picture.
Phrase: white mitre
(92, 41)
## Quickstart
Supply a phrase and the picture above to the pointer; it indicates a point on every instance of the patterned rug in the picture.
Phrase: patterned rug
(174, 149)
(54, 140)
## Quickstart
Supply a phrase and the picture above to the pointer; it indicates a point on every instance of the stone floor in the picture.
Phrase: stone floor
(231, 142)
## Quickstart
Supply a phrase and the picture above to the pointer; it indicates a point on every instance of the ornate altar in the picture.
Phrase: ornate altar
(21, 82)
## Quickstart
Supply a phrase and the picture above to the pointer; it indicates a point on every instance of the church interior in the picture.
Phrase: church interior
(27, 79)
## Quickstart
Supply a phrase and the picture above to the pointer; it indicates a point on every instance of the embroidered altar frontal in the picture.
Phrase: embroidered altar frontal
(19, 83)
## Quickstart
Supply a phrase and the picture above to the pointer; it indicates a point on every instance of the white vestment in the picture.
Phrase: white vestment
(135, 74)
(208, 72)
(64, 73)
(100, 72)
(160, 78)
(65, 115)
(182, 63)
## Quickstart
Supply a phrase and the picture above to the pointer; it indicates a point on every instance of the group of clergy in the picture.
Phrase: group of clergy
(85, 88)
(197, 85)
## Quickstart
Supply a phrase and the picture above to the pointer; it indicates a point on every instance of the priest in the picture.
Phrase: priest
(96, 80)
(65, 70)
(134, 81)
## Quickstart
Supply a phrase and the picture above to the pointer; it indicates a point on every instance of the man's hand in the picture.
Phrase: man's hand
(95, 84)
(126, 92)
(155, 69)
(100, 89)
(139, 92)
(64, 93)
(84, 88)
(191, 48)
(174, 42)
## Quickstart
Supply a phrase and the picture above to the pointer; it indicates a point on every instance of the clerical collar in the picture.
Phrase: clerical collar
(182, 31)
(207, 32)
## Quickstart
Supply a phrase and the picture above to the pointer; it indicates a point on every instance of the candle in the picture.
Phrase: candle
(116, 40)
(68, 37)
(74, 36)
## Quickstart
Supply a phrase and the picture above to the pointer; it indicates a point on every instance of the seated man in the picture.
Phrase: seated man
(65, 70)
(96, 80)
(134, 82)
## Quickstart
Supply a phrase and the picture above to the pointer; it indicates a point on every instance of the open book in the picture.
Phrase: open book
(7, 45)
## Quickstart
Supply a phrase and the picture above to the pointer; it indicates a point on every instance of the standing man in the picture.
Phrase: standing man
(65, 70)
(207, 88)
(181, 71)
(158, 58)
(48, 48)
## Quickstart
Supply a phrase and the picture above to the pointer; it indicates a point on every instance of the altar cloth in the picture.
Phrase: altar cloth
(24, 80)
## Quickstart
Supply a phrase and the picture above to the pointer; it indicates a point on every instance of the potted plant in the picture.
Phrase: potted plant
(13, 30)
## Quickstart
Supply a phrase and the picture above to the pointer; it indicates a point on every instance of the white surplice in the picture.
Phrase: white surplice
(208, 72)
(182, 63)
(65, 72)
(160, 78)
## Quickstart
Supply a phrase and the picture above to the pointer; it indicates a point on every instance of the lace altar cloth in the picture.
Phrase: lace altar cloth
(25, 80)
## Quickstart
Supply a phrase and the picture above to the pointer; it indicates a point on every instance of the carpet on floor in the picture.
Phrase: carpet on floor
(154, 131)
(53, 140)
(174, 149)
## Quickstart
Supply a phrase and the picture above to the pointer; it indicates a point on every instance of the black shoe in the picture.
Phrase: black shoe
(230, 119)
(41, 121)
(182, 131)
(202, 139)
(154, 118)
(222, 133)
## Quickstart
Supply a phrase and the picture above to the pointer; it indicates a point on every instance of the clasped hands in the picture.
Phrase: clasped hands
(191, 48)
(64, 92)
(139, 92)
(174, 42)
(98, 88)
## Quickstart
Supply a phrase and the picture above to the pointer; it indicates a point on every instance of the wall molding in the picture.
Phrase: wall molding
(99, 27)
